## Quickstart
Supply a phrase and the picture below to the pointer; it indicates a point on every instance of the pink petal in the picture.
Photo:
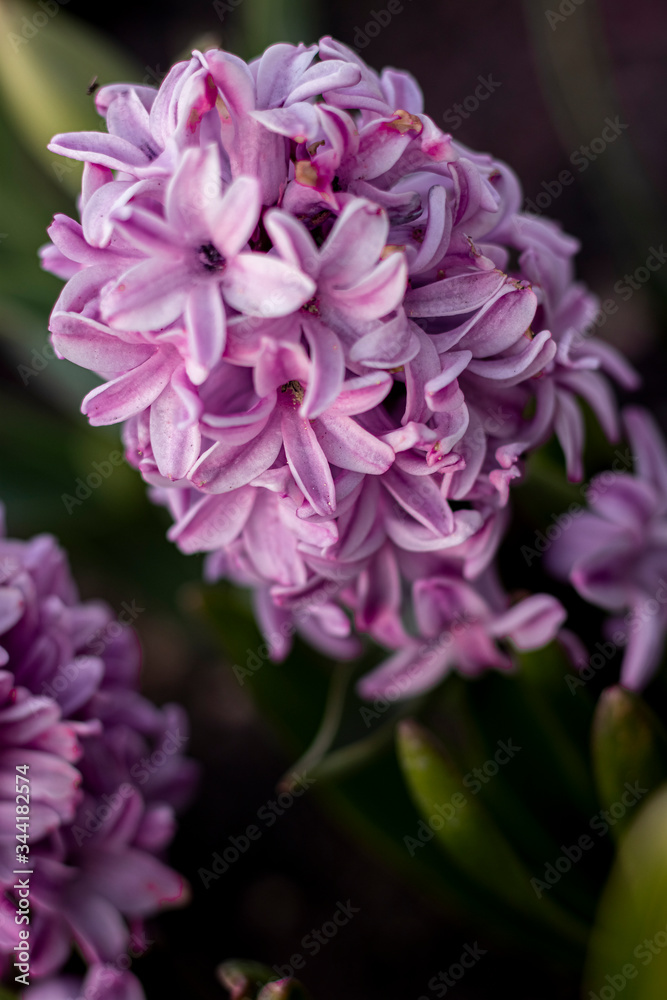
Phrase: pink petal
(94, 346)
(292, 240)
(522, 364)
(236, 217)
(98, 147)
(227, 467)
(136, 883)
(421, 498)
(359, 395)
(531, 623)
(148, 297)
(378, 293)
(502, 324)
(213, 521)
(193, 192)
(452, 296)
(130, 393)
(262, 285)
(327, 369)
(206, 328)
(643, 653)
(347, 445)
(438, 230)
(308, 462)
(149, 233)
(354, 244)
(174, 428)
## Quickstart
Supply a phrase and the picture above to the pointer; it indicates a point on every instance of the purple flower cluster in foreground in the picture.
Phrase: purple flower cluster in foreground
(332, 337)
(76, 726)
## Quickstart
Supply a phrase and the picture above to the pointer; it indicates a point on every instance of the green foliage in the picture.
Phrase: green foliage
(629, 945)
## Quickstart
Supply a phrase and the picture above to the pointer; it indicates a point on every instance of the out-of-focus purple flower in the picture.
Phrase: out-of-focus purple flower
(313, 309)
(616, 553)
(101, 982)
(103, 766)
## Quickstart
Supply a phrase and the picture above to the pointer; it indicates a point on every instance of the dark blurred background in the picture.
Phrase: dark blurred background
(558, 72)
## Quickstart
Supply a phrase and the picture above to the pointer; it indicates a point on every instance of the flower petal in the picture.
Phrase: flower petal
(347, 445)
(130, 393)
(259, 284)
(308, 462)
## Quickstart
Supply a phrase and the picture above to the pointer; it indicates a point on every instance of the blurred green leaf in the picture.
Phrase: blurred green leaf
(265, 22)
(560, 718)
(468, 834)
(530, 799)
(47, 62)
(370, 801)
(628, 952)
(629, 747)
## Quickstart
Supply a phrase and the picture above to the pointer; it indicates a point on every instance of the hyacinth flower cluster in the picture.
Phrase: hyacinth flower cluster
(101, 771)
(332, 337)
(615, 554)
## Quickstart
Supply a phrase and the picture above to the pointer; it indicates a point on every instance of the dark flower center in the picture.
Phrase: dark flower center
(312, 306)
(295, 388)
(211, 258)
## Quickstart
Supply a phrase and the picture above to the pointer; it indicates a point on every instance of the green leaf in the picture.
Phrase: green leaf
(265, 22)
(560, 717)
(629, 747)
(529, 797)
(468, 834)
(628, 952)
(45, 71)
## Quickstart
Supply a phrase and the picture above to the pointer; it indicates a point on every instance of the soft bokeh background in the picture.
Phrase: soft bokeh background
(556, 79)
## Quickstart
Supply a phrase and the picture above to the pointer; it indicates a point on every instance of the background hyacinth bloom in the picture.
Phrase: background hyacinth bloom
(615, 555)
(71, 711)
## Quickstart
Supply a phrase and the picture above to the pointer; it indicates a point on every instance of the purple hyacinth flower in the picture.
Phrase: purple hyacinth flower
(73, 719)
(313, 309)
(615, 554)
